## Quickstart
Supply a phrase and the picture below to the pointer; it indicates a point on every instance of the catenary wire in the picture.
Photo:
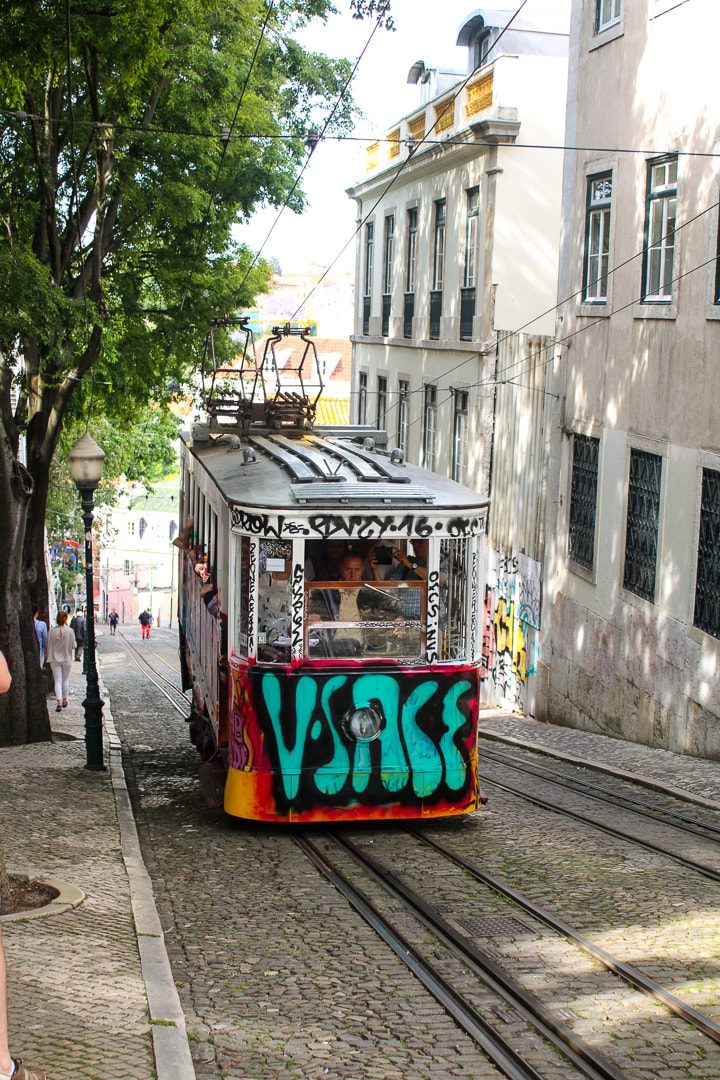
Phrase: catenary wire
(328, 121)
(400, 170)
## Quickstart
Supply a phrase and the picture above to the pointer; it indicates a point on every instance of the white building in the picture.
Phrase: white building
(456, 270)
(138, 562)
(631, 635)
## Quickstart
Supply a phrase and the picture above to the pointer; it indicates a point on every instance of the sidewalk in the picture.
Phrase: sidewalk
(91, 995)
(691, 778)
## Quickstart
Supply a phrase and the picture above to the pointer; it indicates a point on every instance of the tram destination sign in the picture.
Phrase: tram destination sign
(328, 525)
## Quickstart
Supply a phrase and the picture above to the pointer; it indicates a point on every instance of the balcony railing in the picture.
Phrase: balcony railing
(408, 312)
(467, 313)
(366, 315)
(435, 312)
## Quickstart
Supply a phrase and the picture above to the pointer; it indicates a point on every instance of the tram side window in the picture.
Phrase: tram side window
(274, 601)
(367, 599)
(242, 587)
(454, 582)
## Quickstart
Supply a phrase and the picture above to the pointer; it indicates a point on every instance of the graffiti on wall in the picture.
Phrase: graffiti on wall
(424, 749)
(511, 630)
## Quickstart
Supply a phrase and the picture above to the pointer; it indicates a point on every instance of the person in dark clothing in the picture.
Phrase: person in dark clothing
(113, 619)
(77, 625)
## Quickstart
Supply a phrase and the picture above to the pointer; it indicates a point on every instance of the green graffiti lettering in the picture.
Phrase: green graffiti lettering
(425, 761)
(305, 701)
(453, 719)
(330, 778)
(383, 690)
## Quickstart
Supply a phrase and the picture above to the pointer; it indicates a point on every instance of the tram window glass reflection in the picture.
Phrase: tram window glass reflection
(274, 601)
(242, 585)
(357, 606)
(453, 583)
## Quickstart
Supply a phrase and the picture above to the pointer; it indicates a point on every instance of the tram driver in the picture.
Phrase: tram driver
(351, 607)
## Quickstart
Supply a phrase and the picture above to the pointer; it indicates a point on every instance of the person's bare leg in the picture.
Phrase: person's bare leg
(5, 1059)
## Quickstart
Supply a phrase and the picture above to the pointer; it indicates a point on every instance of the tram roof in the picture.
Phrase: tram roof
(319, 468)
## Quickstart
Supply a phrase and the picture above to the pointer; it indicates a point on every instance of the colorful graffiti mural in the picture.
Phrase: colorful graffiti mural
(294, 730)
(511, 630)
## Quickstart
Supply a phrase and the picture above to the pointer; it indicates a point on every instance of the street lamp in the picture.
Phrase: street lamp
(86, 466)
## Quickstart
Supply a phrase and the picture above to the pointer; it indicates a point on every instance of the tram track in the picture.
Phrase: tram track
(585, 1060)
(173, 694)
(610, 830)
(705, 829)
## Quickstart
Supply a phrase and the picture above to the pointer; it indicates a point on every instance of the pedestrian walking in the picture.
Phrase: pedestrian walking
(145, 620)
(113, 619)
(77, 625)
(10, 1067)
(61, 647)
(41, 632)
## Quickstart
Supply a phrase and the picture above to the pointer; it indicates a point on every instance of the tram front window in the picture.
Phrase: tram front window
(355, 611)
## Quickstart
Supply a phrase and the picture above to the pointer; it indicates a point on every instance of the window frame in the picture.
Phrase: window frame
(388, 252)
(572, 551)
(638, 521)
(698, 628)
(411, 249)
(429, 439)
(615, 9)
(362, 398)
(659, 195)
(382, 402)
(461, 420)
(439, 244)
(597, 209)
(369, 257)
(403, 416)
(472, 238)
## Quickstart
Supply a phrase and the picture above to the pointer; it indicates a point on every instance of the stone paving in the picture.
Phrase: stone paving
(77, 999)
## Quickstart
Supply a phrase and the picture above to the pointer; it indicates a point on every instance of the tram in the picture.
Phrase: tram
(330, 626)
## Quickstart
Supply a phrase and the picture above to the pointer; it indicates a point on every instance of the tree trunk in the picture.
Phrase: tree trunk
(23, 710)
(4, 882)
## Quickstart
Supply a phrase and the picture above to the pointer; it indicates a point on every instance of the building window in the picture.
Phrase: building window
(429, 427)
(439, 245)
(583, 500)
(403, 415)
(381, 402)
(717, 265)
(128, 567)
(388, 245)
(643, 519)
(480, 50)
(707, 585)
(460, 435)
(131, 528)
(597, 239)
(367, 289)
(470, 268)
(410, 262)
(660, 229)
(362, 397)
(609, 12)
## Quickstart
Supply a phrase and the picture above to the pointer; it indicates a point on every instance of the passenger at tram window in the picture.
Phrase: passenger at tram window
(183, 540)
(352, 606)
(405, 567)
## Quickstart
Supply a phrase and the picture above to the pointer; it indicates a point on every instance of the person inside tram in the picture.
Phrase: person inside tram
(352, 606)
(274, 602)
(405, 566)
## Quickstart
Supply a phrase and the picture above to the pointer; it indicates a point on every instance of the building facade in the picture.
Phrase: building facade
(456, 276)
(632, 580)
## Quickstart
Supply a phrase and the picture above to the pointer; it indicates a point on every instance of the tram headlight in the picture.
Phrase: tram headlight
(364, 724)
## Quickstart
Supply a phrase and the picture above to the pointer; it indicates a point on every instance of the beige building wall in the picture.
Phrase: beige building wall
(637, 375)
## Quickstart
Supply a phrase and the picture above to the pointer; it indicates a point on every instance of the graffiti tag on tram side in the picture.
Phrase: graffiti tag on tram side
(420, 752)
(298, 604)
(353, 526)
(433, 607)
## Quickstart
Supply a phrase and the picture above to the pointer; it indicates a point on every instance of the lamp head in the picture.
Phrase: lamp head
(86, 462)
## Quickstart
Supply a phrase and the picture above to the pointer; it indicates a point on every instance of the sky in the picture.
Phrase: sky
(380, 89)
(425, 30)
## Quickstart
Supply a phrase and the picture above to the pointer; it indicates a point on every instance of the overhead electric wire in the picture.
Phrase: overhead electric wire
(402, 168)
(320, 136)
(477, 354)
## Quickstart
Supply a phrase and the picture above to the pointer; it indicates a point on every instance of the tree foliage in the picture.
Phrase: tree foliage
(136, 134)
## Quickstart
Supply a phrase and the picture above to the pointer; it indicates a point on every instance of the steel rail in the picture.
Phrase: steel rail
(149, 671)
(588, 1061)
(689, 864)
(626, 971)
(667, 817)
(498, 1050)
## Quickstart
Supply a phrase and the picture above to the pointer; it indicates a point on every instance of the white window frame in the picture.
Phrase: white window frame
(472, 236)
(607, 13)
(661, 204)
(439, 244)
(598, 241)
(429, 441)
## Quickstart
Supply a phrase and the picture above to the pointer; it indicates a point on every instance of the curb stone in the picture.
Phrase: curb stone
(173, 1060)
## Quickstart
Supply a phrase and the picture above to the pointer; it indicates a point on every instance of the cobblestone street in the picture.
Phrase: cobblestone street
(279, 978)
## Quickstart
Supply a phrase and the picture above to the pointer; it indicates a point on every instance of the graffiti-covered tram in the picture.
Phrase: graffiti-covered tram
(330, 627)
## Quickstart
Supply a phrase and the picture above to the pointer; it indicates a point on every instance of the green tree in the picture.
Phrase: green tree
(136, 134)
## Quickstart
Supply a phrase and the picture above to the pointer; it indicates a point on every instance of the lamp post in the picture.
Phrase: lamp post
(86, 466)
